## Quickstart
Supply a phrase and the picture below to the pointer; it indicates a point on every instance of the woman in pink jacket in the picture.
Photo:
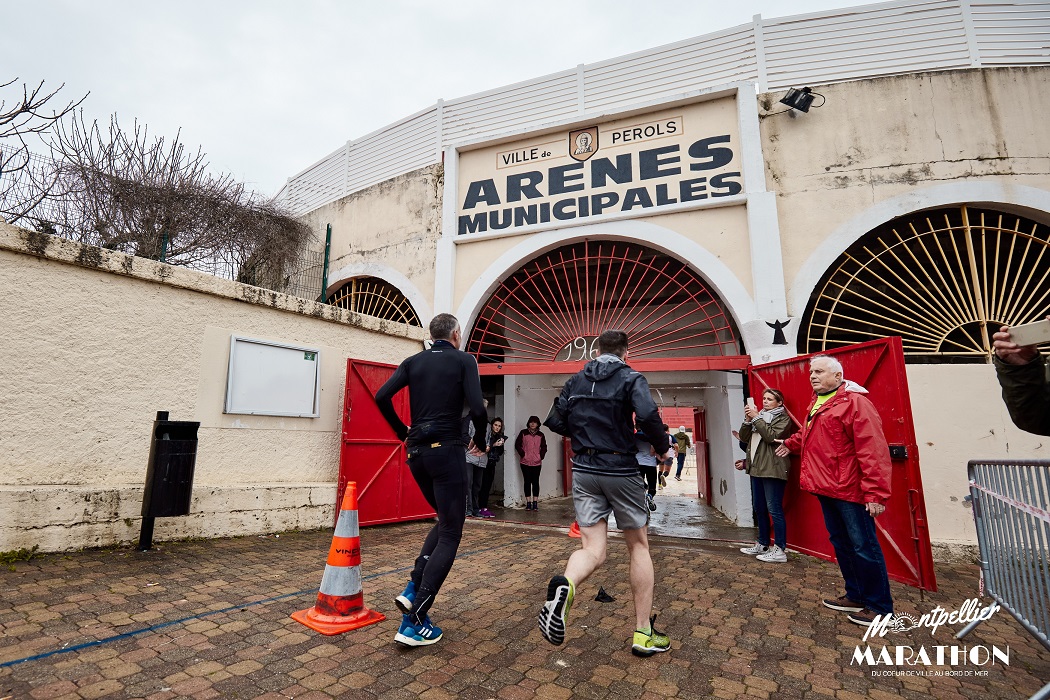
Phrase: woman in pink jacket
(531, 447)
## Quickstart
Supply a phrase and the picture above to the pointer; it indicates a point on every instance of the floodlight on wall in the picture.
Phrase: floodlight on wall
(801, 99)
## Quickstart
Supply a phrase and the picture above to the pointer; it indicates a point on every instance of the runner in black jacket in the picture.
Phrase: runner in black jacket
(597, 410)
(441, 381)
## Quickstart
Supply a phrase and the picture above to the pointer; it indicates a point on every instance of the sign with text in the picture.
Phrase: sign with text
(636, 165)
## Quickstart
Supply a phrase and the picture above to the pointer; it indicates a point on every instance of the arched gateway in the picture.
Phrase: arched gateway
(547, 314)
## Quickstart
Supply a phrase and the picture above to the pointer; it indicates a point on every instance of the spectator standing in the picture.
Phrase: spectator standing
(497, 442)
(477, 460)
(531, 447)
(846, 464)
(760, 433)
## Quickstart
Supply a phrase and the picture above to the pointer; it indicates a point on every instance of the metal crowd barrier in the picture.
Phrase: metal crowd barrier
(1011, 507)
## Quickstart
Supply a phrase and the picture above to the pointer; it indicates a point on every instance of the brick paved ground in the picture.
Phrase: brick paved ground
(209, 619)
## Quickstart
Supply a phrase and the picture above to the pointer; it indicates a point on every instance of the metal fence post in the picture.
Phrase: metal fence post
(324, 272)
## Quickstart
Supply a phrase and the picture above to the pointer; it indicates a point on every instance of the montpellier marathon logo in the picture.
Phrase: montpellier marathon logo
(903, 660)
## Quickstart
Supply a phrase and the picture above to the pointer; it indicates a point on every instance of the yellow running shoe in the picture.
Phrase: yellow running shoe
(554, 612)
(647, 644)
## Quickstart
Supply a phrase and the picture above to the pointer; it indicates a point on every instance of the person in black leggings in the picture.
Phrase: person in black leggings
(440, 381)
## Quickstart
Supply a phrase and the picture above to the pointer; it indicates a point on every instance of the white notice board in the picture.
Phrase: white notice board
(273, 379)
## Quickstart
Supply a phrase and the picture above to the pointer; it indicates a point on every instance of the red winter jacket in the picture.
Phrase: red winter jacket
(844, 451)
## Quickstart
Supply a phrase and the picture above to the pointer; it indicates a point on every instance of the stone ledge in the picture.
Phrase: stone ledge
(42, 245)
(62, 517)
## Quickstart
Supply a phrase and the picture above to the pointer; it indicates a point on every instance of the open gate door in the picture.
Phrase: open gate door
(878, 366)
(372, 455)
(703, 470)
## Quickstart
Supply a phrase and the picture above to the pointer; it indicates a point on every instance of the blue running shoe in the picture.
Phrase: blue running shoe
(417, 635)
(406, 599)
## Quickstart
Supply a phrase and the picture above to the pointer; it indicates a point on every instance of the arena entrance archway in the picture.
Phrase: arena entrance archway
(546, 316)
(541, 322)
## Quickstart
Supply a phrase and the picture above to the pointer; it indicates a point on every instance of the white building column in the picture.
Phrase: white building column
(767, 257)
(445, 260)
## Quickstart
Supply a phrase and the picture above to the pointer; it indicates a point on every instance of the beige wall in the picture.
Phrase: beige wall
(395, 224)
(877, 139)
(959, 415)
(95, 343)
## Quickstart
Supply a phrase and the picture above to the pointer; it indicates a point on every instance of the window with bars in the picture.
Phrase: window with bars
(943, 280)
(372, 296)
(554, 307)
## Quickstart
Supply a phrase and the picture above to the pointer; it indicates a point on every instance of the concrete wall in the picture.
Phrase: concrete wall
(915, 141)
(959, 416)
(389, 230)
(96, 342)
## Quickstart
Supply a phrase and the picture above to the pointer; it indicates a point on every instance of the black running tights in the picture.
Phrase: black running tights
(441, 473)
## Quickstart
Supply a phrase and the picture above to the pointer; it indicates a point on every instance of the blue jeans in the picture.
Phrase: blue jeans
(681, 463)
(767, 497)
(852, 534)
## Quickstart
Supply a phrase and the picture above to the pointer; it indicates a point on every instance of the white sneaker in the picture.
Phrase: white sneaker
(775, 555)
(756, 548)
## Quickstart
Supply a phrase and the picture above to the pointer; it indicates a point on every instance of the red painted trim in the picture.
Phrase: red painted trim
(678, 364)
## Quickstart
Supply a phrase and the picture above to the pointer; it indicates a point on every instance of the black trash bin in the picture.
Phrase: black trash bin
(169, 474)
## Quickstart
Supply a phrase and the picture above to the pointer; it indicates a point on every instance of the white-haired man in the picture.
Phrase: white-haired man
(846, 464)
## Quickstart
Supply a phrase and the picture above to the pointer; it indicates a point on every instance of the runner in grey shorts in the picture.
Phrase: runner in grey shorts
(598, 409)
(597, 495)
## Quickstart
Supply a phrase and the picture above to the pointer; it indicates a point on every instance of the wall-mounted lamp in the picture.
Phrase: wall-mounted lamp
(801, 99)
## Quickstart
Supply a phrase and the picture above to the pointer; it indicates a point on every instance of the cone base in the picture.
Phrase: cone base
(574, 530)
(329, 625)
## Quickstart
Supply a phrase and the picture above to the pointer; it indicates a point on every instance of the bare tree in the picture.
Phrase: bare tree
(25, 180)
(147, 196)
(155, 198)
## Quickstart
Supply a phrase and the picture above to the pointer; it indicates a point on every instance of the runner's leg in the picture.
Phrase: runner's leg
(446, 470)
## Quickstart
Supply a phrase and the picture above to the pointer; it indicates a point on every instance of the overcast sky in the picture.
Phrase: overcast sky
(267, 88)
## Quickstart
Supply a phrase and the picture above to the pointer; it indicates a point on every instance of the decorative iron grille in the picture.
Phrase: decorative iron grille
(943, 280)
(555, 306)
(372, 296)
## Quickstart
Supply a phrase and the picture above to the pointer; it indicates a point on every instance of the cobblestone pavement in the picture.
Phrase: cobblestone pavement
(209, 619)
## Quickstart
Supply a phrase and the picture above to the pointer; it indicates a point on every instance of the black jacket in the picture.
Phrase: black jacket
(440, 381)
(1026, 393)
(597, 409)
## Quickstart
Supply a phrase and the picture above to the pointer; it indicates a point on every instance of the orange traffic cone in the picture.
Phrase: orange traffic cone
(574, 530)
(340, 605)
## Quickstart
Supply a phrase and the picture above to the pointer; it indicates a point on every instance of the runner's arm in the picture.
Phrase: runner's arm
(384, 399)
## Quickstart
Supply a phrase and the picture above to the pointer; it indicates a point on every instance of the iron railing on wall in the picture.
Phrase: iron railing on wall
(1011, 507)
(889, 38)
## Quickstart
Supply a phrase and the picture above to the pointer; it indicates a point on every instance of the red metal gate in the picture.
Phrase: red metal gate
(703, 468)
(372, 455)
(878, 366)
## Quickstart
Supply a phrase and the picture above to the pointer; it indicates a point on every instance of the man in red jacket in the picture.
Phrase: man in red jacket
(846, 464)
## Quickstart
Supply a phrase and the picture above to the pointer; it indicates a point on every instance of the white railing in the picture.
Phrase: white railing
(889, 38)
